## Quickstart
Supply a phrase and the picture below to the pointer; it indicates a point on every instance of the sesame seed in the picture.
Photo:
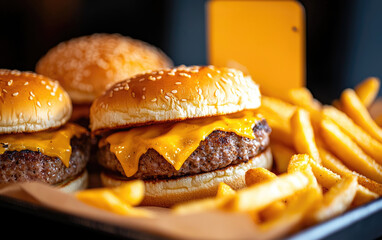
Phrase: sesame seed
(31, 93)
(167, 97)
(48, 87)
(152, 78)
(143, 97)
(26, 83)
(49, 104)
(38, 103)
(133, 94)
(144, 89)
(174, 91)
(230, 74)
(160, 72)
(161, 91)
(185, 75)
(159, 77)
(60, 97)
(10, 82)
(183, 100)
(178, 83)
(5, 90)
(171, 73)
(30, 98)
(43, 82)
(116, 89)
(209, 75)
(53, 93)
(15, 94)
(153, 100)
(141, 80)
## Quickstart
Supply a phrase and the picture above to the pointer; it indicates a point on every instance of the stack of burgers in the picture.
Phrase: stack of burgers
(182, 130)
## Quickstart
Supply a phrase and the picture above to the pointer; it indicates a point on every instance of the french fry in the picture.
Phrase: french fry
(201, 205)
(291, 218)
(331, 162)
(303, 98)
(224, 190)
(354, 108)
(281, 156)
(378, 120)
(258, 175)
(368, 90)
(349, 152)
(336, 201)
(279, 188)
(328, 179)
(303, 134)
(371, 146)
(119, 199)
(278, 114)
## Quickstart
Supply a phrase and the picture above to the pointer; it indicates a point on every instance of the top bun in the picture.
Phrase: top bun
(173, 94)
(86, 66)
(31, 102)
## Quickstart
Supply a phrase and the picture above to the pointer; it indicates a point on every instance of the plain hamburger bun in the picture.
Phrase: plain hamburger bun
(172, 95)
(166, 193)
(87, 65)
(31, 102)
(79, 182)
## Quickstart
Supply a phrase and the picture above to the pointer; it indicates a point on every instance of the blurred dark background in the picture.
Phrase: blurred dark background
(344, 37)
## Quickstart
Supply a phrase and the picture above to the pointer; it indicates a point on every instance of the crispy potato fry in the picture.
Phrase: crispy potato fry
(281, 156)
(349, 152)
(303, 98)
(279, 188)
(224, 190)
(336, 201)
(363, 139)
(201, 205)
(303, 134)
(337, 104)
(368, 90)
(294, 213)
(378, 120)
(328, 179)
(354, 108)
(331, 162)
(258, 175)
(131, 192)
(272, 211)
(118, 199)
(278, 114)
(282, 108)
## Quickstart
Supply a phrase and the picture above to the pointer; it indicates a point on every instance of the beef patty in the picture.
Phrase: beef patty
(219, 150)
(27, 165)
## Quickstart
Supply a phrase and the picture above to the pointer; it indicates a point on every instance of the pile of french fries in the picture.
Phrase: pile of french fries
(328, 159)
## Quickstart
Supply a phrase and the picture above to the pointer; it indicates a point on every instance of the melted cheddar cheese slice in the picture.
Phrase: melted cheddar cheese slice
(53, 143)
(175, 141)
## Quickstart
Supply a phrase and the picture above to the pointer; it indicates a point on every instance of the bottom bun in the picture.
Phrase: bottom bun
(74, 184)
(165, 193)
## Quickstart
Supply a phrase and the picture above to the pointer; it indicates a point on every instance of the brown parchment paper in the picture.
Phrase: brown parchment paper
(208, 225)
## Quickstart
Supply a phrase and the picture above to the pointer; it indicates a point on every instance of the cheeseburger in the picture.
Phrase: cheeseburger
(182, 131)
(87, 65)
(36, 142)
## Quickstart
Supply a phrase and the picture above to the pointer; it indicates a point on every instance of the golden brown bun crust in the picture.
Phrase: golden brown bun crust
(31, 102)
(174, 94)
(85, 66)
(165, 193)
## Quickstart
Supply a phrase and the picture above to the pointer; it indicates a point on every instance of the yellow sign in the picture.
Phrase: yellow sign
(265, 39)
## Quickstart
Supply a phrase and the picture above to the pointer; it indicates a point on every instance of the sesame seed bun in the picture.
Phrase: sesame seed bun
(166, 193)
(31, 102)
(172, 95)
(87, 65)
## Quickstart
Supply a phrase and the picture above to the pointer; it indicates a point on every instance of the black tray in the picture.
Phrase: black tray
(22, 219)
